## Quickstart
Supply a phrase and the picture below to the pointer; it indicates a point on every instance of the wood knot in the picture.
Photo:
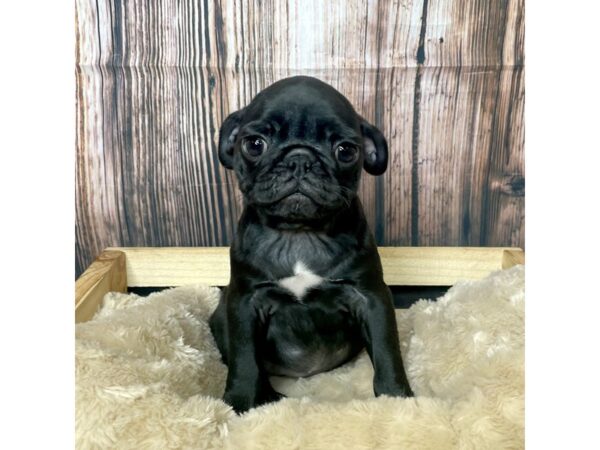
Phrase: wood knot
(513, 185)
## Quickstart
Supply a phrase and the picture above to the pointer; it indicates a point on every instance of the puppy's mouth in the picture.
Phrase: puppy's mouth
(297, 193)
(300, 195)
(294, 204)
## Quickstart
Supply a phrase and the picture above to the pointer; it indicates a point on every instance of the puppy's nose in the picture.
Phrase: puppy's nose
(299, 161)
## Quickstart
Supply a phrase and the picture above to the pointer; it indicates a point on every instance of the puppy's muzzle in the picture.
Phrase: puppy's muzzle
(299, 162)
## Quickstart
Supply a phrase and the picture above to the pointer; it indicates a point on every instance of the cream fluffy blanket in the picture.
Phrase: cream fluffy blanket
(149, 377)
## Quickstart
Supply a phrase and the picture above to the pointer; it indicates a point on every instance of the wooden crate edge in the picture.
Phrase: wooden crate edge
(176, 266)
(107, 273)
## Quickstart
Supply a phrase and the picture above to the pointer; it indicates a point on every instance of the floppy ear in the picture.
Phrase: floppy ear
(227, 136)
(376, 151)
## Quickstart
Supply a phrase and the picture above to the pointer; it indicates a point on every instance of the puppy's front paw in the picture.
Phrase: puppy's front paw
(393, 389)
(268, 395)
(242, 401)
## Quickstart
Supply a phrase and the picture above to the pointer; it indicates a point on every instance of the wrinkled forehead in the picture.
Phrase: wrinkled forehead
(307, 115)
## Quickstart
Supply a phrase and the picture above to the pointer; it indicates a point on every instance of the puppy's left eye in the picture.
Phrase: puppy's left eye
(254, 147)
(346, 153)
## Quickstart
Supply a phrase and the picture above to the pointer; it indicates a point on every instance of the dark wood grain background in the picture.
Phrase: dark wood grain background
(443, 79)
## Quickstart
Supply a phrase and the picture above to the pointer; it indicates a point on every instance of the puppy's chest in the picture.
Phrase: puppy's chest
(300, 263)
(301, 281)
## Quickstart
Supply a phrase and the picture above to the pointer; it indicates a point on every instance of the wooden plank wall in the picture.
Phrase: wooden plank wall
(443, 79)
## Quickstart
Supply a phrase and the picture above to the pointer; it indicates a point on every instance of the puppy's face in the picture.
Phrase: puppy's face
(298, 150)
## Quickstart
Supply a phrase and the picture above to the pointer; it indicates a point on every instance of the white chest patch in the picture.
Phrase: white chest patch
(302, 280)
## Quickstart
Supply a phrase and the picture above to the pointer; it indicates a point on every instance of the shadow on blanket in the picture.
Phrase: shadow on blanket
(148, 375)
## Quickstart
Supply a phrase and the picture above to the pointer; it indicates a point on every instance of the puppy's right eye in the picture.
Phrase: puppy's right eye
(254, 147)
(346, 153)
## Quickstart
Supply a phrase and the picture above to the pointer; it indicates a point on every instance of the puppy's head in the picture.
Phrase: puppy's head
(298, 150)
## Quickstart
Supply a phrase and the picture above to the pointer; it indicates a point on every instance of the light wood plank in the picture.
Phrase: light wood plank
(441, 266)
(107, 273)
(402, 266)
(176, 266)
(512, 257)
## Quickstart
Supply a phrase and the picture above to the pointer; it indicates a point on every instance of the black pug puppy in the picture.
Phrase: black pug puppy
(306, 292)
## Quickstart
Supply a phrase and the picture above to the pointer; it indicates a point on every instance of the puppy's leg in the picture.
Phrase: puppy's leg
(218, 328)
(247, 384)
(375, 311)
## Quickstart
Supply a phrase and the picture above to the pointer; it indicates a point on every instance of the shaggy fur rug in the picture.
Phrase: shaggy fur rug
(149, 377)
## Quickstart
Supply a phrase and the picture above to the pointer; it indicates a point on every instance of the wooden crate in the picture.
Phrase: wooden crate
(116, 269)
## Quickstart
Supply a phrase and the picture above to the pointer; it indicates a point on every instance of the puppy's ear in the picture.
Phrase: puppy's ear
(227, 136)
(376, 151)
